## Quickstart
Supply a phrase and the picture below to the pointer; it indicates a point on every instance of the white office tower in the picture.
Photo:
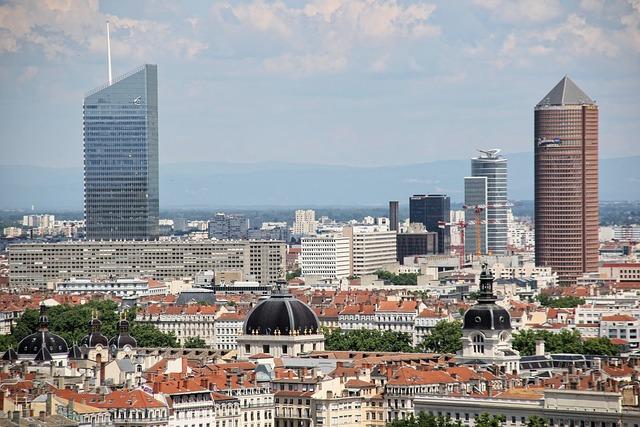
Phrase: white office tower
(305, 223)
(326, 256)
(372, 248)
(492, 166)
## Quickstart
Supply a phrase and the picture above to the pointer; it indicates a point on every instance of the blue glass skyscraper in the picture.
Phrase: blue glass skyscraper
(121, 158)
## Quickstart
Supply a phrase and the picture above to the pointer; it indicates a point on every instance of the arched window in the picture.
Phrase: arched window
(478, 343)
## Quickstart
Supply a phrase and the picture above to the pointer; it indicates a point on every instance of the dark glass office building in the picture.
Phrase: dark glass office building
(121, 158)
(430, 211)
(418, 243)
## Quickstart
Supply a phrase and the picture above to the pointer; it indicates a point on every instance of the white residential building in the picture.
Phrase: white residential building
(372, 248)
(326, 255)
(397, 317)
(557, 407)
(118, 287)
(355, 317)
(12, 232)
(305, 223)
(425, 322)
(227, 329)
(621, 326)
(190, 321)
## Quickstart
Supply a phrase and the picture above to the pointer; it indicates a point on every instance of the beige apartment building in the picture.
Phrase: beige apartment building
(36, 264)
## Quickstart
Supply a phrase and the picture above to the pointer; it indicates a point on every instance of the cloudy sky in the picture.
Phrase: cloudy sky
(362, 82)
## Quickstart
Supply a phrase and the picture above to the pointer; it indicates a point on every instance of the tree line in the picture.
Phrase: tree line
(72, 324)
(483, 420)
(445, 337)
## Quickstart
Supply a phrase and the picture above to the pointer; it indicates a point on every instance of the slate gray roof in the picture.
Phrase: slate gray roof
(566, 92)
(125, 365)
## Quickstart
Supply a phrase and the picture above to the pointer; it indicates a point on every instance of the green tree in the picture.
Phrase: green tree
(525, 341)
(600, 346)
(72, 323)
(486, 420)
(425, 420)
(402, 279)
(293, 274)
(6, 342)
(367, 340)
(536, 421)
(195, 342)
(560, 302)
(444, 338)
(566, 341)
(148, 335)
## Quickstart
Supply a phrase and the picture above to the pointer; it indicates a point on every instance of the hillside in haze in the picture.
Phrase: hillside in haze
(211, 184)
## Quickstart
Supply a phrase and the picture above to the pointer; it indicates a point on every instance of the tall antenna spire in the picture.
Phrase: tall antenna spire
(109, 53)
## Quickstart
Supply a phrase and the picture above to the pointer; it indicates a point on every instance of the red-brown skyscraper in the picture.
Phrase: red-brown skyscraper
(566, 182)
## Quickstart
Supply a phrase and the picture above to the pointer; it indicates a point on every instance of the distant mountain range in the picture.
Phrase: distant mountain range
(218, 185)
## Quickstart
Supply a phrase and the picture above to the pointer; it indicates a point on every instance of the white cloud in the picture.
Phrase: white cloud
(61, 27)
(582, 34)
(522, 10)
(577, 37)
(333, 27)
(305, 64)
(28, 73)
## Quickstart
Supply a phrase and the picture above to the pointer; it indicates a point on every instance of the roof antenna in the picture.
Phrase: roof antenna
(109, 53)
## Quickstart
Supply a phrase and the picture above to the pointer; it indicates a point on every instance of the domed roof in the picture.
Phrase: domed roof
(281, 314)
(123, 338)
(486, 314)
(42, 345)
(94, 337)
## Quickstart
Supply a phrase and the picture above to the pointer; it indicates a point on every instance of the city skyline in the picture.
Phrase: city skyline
(396, 79)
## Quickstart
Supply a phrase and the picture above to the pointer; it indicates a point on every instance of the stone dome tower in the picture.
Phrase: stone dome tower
(280, 325)
(486, 331)
(43, 346)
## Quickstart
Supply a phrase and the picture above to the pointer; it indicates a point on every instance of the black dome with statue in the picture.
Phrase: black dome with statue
(486, 314)
(281, 314)
(123, 338)
(95, 336)
(42, 345)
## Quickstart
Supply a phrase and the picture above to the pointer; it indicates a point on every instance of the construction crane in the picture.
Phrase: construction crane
(477, 213)
(461, 225)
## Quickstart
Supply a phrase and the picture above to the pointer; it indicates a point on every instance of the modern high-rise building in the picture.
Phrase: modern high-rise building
(493, 202)
(414, 241)
(121, 158)
(430, 211)
(372, 248)
(228, 227)
(393, 215)
(326, 255)
(475, 195)
(566, 182)
(305, 223)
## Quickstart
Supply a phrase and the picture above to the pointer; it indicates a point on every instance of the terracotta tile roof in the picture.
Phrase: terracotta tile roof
(219, 397)
(412, 376)
(130, 399)
(463, 373)
(618, 318)
(524, 393)
(233, 317)
(426, 313)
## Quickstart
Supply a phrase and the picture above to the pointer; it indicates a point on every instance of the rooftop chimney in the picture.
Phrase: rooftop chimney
(539, 347)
